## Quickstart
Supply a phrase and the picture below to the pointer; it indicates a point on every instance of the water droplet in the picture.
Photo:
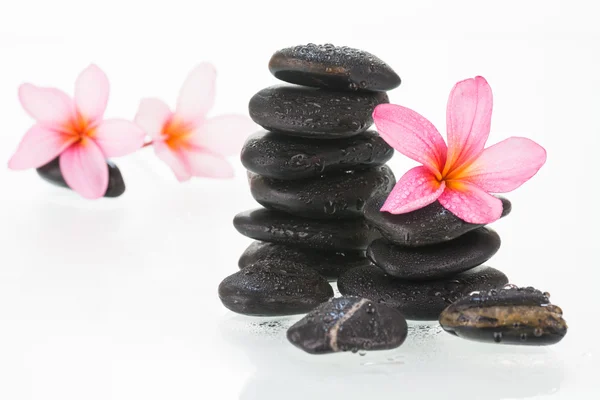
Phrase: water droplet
(497, 337)
(537, 332)
(523, 336)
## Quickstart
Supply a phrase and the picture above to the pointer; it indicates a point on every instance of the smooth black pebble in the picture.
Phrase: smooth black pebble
(270, 289)
(286, 157)
(314, 113)
(329, 264)
(423, 300)
(51, 173)
(349, 324)
(333, 67)
(278, 227)
(429, 225)
(337, 195)
(510, 315)
(437, 260)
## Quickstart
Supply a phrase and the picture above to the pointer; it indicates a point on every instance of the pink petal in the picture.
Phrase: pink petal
(91, 93)
(468, 120)
(197, 95)
(174, 159)
(84, 169)
(39, 146)
(411, 134)
(204, 164)
(118, 137)
(416, 189)
(49, 107)
(224, 135)
(152, 116)
(505, 166)
(470, 203)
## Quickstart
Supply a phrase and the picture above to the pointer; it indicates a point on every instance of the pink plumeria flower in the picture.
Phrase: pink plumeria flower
(74, 129)
(462, 175)
(189, 142)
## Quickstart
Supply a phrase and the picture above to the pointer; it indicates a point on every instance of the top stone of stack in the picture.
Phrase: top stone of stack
(332, 67)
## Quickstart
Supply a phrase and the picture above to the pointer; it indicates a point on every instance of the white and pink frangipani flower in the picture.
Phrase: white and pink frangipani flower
(75, 130)
(190, 143)
(462, 175)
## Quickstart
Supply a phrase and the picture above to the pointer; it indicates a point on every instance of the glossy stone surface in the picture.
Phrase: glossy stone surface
(314, 113)
(286, 157)
(51, 173)
(428, 225)
(278, 227)
(423, 300)
(511, 315)
(437, 260)
(266, 288)
(333, 67)
(329, 264)
(349, 324)
(336, 195)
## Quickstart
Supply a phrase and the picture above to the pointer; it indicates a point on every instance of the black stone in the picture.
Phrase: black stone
(314, 113)
(278, 227)
(333, 67)
(437, 260)
(423, 300)
(329, 264)
(51, 173)
(337, 195)
(349, 324)
(286, 157)
(510, 315)
(267, 288)
(429, 225)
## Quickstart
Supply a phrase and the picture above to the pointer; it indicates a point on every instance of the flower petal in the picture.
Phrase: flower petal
(208, 165)
(49, 107)
(91, 93)
(411, 134)
(470, 203)
(84, 168)
(39, 146)
(416, 189)
(174, 159)
(505, 166)
(224, 135)
(118, 137)
(468, 120)
(152, 116)
(197, 94)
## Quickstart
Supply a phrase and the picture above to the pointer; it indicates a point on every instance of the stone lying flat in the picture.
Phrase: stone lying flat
(349, 324)
(437, 260)
(509, 315)
(51, 173)
(429, 225)
(314, 113)
(423, 300)
(329, 264)
(286, 157)
(266, 288)
(332, 67)
(336, 195)
(278, 227)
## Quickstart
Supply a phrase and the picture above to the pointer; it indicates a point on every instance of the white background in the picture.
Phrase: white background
(116, 299)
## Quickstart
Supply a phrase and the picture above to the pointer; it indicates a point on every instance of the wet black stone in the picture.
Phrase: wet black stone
(511, 315)
(423, 300)
(333, 67)
(429, 225)
(286, 157)
(337, 195)
(51, 173)
(314, 113)
(349, 324)
(278, 227)
(266, 288)
(437, 260)
(329, 264)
